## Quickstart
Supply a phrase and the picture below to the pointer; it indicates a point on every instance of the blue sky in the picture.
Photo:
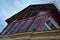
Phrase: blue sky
(10, 7)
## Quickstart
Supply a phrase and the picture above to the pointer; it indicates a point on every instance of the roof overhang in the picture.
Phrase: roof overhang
(20, 14)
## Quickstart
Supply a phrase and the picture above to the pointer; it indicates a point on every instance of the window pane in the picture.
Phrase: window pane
(35, 24)
(25, 25)
(44, 28)
(51, 25)
(12, 26)
(18, 27)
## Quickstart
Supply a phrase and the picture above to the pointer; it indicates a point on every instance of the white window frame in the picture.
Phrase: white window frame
(54, 23)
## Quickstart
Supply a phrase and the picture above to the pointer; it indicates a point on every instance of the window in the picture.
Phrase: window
(45, 28)
(25, 25)
(52, 24)
(19, 26)
(35, 24)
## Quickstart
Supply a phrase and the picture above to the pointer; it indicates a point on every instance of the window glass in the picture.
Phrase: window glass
(18, 27)
(25, 25)
(35, 24)
(11, 26)
(44, 28)
(51, 25)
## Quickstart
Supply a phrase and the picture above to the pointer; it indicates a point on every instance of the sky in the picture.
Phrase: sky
(10, 7)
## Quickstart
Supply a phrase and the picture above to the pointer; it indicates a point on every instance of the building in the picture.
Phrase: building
(34, 18)
(45, 35)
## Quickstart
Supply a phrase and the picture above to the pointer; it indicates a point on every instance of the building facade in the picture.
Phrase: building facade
(34, 18)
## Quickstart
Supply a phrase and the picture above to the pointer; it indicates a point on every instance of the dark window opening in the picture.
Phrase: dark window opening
(27, 15)
(34, 14)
